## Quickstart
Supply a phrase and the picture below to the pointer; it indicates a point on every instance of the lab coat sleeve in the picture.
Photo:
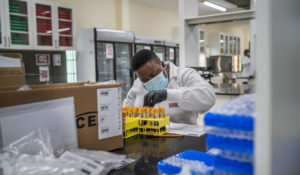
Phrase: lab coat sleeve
(130, 98)
(132, 93)
(195, 94)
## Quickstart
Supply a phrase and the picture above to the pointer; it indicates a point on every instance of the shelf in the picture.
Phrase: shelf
(42, 17)
(18, 32)
(18, 14)
(66, 35)
(45, 34)
(65, 20)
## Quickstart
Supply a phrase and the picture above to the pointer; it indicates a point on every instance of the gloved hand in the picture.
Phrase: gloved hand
(154, 97)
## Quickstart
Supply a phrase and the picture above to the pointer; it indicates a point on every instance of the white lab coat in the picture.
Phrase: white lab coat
(246, 68)
(187, 95)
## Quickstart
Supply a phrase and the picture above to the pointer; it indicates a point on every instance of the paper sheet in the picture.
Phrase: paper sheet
(88, 166)
(185, 129)
(9, 62)
(109, 112)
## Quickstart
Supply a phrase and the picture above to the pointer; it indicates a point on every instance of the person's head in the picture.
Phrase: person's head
(246, 52)
(147, 65)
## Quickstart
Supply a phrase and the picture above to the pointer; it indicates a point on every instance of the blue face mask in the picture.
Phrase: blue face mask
(160, 82)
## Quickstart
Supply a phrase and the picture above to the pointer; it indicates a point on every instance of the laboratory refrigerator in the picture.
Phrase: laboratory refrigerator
(156, 45)
(104, 55)
(172, 52)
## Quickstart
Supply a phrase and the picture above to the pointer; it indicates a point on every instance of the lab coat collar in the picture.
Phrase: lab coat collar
(172, 69)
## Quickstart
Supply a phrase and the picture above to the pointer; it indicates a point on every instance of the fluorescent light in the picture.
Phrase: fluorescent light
(215, 6)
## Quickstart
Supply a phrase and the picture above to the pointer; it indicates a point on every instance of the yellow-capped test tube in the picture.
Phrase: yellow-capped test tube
(141, 112)
(162, 112)
(153, 112)
(148, 112)
(156, 112)
(144, 112)
(129, 111)
(136, 111)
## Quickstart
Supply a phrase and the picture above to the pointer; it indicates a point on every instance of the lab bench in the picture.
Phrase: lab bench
(149, 151)
(233, 89)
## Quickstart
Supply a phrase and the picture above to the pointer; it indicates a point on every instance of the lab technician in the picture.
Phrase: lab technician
(246, 66)
(181, 91)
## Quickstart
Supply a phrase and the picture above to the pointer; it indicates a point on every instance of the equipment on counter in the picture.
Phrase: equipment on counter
(144, 121)
(205, 72)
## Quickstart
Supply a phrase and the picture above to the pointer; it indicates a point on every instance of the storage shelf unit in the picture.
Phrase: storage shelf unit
(36, 24)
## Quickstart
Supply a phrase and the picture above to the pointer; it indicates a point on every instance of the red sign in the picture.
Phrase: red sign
(42, 59)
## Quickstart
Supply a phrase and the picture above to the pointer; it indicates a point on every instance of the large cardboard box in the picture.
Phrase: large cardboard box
(12, 76)
(97, 107)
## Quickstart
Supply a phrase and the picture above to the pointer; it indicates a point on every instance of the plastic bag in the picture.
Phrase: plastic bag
(36, 143)
(108, 160)
(37, 165)
(33, 154)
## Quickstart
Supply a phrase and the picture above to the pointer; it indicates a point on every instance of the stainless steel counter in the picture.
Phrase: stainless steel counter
(233, 89)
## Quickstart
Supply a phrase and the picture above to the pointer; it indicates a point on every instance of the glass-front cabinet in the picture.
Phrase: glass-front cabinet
(2, 24)
(18, 24)
(44, 26)
(65, 27)
(36, 24)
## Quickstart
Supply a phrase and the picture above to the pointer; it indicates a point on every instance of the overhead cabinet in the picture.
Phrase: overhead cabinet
(225, 45)
(35, 24)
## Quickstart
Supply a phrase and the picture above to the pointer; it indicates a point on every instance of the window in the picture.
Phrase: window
(71, 66)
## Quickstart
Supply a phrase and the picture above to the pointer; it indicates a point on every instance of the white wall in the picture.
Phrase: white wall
(94, 13)
(142, 19)
(153, 22)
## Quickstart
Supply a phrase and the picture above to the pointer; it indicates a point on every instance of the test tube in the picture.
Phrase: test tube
(148, 112)
(124, 113)
(136, 111)
(129, 111)
(156, 112)
(144, 112)
(153, 111)
(141, 112)
(140, 116)
(162, 112)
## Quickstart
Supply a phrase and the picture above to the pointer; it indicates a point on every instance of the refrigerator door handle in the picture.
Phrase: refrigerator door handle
(5, 42)
(8, 41)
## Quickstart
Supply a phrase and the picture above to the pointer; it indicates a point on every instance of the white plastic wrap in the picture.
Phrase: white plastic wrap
(107, 159)
(33, 155)
(57, 116)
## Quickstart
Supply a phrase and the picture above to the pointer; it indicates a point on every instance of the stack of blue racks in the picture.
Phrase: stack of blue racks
(230, 129)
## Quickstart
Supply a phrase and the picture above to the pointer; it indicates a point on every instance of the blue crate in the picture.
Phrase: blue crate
(226, 166)
(237, 114)
(200, 163)
(229, 144)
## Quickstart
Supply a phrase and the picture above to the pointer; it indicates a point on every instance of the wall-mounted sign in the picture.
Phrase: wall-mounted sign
(109, 50)
(44, 74)
(56, 58)
(42, 59)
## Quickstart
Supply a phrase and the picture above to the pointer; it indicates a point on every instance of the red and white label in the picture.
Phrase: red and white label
(109, 51)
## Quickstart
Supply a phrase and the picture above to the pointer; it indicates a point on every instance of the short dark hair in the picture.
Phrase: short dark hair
(142, 57)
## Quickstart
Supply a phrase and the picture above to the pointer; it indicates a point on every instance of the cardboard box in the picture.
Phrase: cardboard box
(103, 134)
(12, 76)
